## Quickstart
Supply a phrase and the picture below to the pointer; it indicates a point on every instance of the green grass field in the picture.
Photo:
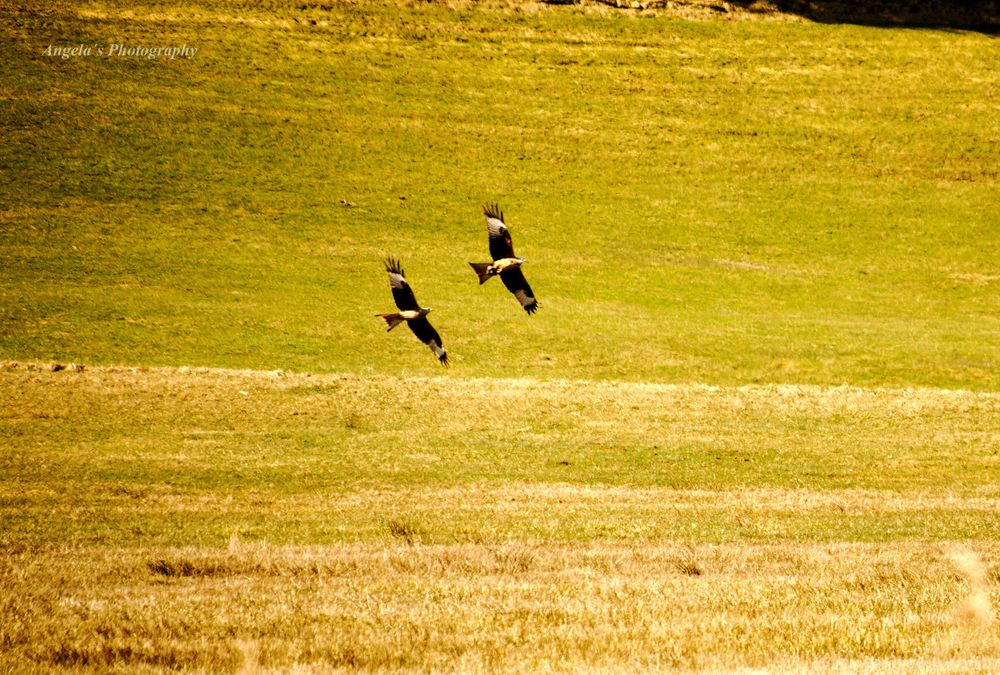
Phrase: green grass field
(755, 423)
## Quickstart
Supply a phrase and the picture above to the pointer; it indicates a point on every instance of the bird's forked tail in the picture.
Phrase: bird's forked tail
(482, 270)
(392, 320)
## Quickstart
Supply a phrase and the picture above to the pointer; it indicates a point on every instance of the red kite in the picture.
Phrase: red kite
(505, 263)
(413, 314)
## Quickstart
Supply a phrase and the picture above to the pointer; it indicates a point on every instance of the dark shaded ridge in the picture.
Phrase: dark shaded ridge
(979, 15)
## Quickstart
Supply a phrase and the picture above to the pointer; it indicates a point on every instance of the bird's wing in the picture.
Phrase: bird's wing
(423, 329)
(516, 283)
(401, 291)
(501, 245)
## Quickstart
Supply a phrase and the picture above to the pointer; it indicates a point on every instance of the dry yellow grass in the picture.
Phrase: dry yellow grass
(512, 606)
(245, 521)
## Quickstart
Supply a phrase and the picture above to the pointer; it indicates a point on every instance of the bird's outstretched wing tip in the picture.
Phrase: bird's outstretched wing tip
(393, 266)
(493, 211)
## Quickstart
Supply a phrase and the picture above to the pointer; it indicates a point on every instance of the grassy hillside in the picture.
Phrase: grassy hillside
(707, 201)
(755, 423)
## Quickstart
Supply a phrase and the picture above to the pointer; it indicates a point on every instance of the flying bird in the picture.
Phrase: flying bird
(413, 314)
(505, 263)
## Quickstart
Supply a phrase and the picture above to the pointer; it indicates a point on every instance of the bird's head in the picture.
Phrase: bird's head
(424, 311)
(521, 261)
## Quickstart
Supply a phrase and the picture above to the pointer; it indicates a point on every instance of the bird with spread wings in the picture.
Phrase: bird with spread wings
(413, 314)
(505, 264)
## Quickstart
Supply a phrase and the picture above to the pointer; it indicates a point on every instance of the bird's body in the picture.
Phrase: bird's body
(487, 270)
(413, 314)
(505, 264)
